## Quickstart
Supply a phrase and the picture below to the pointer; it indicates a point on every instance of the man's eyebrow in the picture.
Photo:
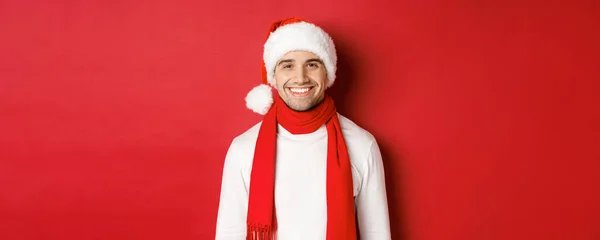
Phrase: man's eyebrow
(285, 61)
(314, 60)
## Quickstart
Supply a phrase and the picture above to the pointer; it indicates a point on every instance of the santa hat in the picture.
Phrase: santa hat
(292, 34)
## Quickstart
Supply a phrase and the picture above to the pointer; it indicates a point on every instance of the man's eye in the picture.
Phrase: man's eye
(287, 66)
(312, 65)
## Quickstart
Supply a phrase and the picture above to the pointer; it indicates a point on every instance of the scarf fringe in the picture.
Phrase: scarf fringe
(258, 232)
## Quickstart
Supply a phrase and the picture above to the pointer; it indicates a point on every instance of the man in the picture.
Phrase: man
(304, 172)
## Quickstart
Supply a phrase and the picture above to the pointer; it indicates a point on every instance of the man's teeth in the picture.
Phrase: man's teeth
(299, 90)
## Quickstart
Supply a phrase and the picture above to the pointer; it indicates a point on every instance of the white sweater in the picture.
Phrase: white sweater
(300, 185)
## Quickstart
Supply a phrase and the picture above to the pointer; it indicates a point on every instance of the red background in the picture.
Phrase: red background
(116, 115)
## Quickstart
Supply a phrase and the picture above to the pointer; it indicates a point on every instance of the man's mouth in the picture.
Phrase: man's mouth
(300, 91)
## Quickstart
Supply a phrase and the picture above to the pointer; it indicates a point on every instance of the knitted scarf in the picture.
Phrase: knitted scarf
(261, 221)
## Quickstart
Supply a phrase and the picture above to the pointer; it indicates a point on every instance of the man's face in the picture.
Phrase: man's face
(300, 79)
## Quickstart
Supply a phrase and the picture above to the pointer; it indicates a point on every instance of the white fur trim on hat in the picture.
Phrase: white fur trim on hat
(299, 36)
(260, 99)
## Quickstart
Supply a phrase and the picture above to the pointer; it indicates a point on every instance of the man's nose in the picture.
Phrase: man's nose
(301, 76)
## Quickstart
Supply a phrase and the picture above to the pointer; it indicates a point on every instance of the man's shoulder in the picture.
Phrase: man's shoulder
(247, 139)
(353, 132)
(241, 149)
(361, 146)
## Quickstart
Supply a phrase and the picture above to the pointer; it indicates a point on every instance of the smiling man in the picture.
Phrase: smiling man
(301, 93)
(305, 171)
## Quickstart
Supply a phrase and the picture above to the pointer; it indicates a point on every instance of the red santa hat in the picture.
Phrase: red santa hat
(292, 34)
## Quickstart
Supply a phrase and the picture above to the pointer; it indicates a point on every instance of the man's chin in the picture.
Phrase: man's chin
(300, 106)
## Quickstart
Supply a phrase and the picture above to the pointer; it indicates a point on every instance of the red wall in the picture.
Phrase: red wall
(115, 116)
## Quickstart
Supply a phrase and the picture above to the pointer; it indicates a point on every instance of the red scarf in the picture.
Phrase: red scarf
(262, 222)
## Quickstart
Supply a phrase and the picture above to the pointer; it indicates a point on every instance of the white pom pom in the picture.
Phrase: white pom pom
(260, 99)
